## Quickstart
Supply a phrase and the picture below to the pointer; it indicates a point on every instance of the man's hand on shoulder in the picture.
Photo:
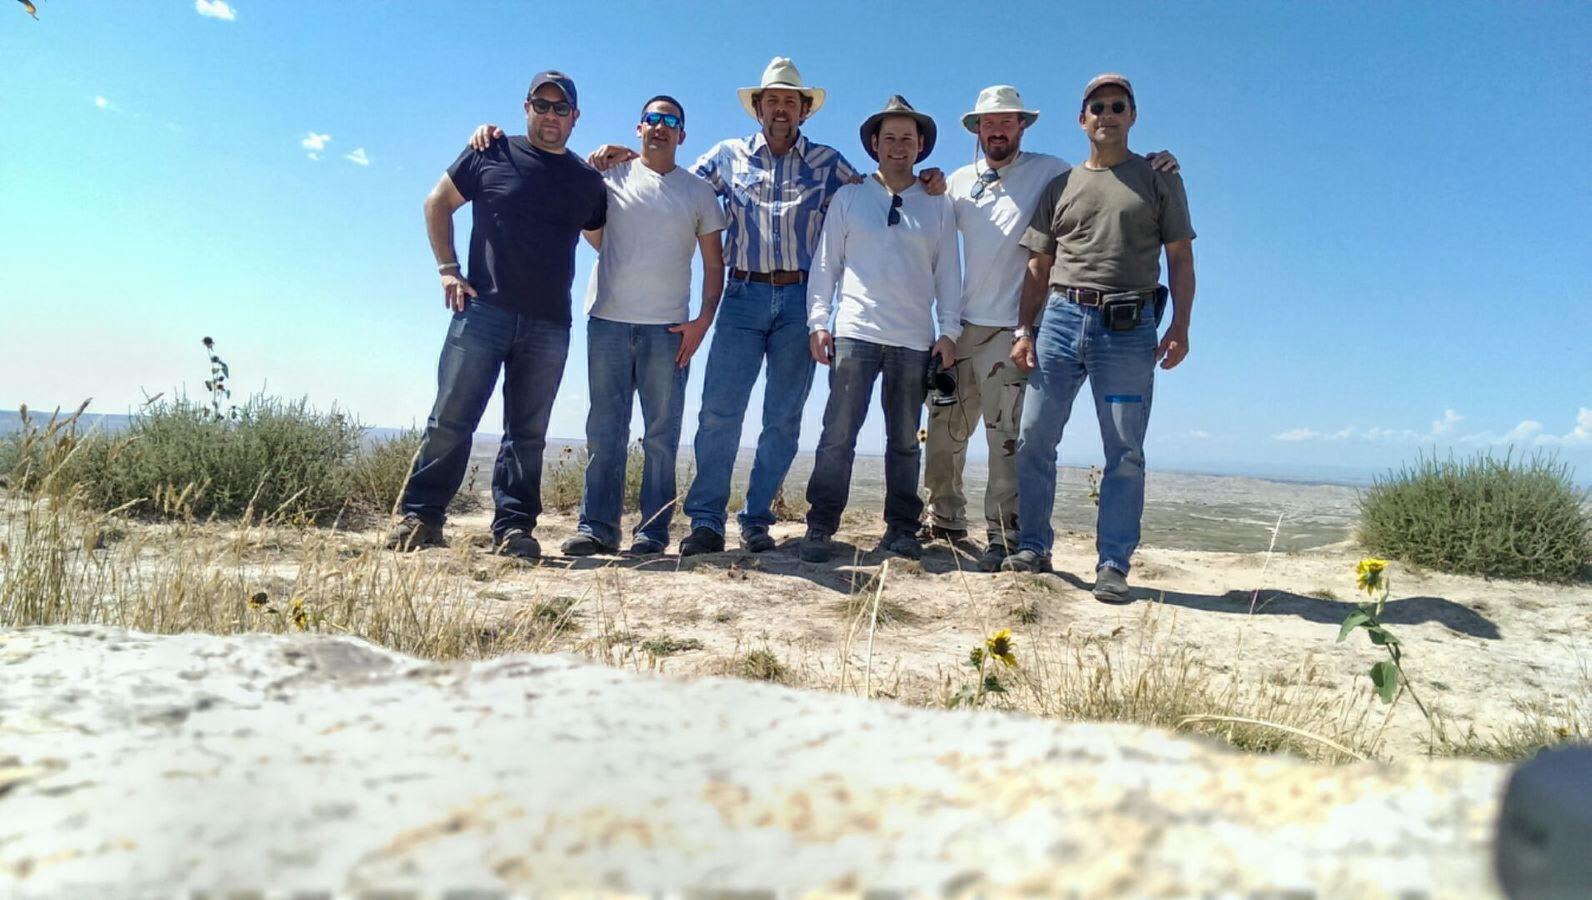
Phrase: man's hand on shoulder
(483, 136)
(933, 181)
(1163, 161)
(609, 155)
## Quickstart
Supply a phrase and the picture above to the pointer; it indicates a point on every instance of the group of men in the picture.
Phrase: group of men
(808, 262)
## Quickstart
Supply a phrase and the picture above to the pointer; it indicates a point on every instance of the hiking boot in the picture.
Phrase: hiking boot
(519, 543)
(585, 545)
(702, 540)
(1026, 561)
(902, 543)
(993, 556)
(1111, 586)
(757, 541)
(933, 532)
(816, 547)
(645, 547)
(413, 534)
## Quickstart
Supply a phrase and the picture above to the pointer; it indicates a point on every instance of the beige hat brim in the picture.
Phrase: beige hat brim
(970, 119)
(816, 95)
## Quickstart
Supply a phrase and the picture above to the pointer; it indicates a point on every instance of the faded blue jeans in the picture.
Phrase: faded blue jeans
(756, 322)
(482, 341)
(622, 361)
(852, 373)
(1072, 345)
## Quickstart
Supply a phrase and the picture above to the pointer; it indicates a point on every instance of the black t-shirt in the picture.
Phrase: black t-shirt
(528, 208)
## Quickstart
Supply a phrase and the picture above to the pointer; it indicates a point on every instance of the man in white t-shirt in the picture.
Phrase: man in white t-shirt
(640, 335)
(886, 271)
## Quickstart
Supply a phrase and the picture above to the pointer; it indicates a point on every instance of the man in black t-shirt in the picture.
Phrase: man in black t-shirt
(530, 199)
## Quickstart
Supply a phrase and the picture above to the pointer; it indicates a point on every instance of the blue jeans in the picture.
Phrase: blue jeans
(624, 360)
(755, 322)
(857, 364)
(481, 341)
(1073, 344)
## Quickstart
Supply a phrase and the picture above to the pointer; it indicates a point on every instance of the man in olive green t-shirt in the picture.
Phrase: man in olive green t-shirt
(1095, 241)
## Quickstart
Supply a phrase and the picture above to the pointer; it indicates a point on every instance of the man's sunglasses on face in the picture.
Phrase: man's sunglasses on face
(669, 120)
(1117, 107)
(560, 108)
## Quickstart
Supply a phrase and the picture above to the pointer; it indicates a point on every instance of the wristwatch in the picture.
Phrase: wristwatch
(1021, 333)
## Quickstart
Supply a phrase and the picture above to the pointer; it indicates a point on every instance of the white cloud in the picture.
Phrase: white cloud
(1297, 434)
(105, 104)
(358, 157)
(1524, 431)
(1446, 424)
(1580, 434)
(1379, 433)
(1199, 435)
(1342, 434)
(315, 143)
(215, 9)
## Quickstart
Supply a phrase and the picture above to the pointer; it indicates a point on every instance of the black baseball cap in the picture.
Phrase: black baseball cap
(557, 79)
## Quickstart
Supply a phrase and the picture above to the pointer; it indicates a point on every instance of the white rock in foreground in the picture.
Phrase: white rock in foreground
(132, 764)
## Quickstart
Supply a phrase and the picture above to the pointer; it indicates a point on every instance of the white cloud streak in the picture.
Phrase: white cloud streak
(215, 9)
(358, 157)
(105, 104)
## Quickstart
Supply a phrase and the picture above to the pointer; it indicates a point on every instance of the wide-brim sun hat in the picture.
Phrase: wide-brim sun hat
(781, 73)
(996, 99)
(898, 106)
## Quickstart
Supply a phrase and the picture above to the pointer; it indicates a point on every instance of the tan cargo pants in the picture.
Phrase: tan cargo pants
(989, 386)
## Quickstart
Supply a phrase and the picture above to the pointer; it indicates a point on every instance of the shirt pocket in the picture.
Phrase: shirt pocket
(752, 187)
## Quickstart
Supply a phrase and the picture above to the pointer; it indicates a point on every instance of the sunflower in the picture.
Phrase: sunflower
(301, 619)
(1002, 647)
(1369, 573)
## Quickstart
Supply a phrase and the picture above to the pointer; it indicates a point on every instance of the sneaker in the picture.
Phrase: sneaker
(645, 547)
(757, 542)
(413, 534)
(1026, 561)
(584, 545)
(518, 542)
(933, 532)
(993, 556)
(902, 543)
(816, 547)
(702, 540)
(1111, 586)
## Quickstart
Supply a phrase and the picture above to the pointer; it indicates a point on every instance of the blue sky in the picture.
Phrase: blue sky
(1392, 199)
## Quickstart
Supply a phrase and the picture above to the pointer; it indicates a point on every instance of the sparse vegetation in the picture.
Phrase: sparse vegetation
(666, 645)
(1500, 518)
(762, 665)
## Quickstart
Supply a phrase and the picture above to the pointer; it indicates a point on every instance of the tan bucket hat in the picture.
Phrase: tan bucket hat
(998, 98)
(781, 73)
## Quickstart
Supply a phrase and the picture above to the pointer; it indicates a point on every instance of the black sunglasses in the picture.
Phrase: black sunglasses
(670, 120)
(895, 210)
(1117, 106)
(560, 108)
(985, 179)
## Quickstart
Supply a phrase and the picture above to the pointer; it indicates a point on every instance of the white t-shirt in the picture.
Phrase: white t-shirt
(993, 263)
(889, 276)
(643, 273)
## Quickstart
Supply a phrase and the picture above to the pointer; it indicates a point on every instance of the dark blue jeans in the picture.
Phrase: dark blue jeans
(622, 361)
(755, 322)
(482, 341)
(857, 364)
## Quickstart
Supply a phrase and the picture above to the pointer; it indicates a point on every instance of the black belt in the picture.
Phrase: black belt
(776, 278)
(1096, 297)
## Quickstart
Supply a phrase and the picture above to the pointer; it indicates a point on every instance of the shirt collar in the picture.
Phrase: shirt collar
(758, 142)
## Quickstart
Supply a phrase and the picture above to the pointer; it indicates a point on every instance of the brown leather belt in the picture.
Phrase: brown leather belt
(777, 278)
(1095, 297)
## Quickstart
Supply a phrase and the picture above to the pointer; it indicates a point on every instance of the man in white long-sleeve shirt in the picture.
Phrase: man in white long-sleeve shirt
(887, 272)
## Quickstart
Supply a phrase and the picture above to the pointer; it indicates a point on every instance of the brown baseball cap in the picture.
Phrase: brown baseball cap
(1109, 78)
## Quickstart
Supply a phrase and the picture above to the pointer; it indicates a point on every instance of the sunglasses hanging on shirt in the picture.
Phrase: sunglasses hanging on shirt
(895, 210)
(985, 179)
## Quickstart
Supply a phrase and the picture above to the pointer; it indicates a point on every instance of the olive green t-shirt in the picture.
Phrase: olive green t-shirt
(1106, 227)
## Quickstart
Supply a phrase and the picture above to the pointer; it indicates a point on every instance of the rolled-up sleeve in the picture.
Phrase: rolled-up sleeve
(948, 275)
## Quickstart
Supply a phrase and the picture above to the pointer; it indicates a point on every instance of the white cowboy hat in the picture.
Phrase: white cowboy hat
(781, 73)
(998, 98)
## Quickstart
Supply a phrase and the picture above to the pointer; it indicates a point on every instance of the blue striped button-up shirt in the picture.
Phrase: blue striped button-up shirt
(775, 204)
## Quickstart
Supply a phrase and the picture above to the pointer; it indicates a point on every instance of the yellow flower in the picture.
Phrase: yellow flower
(1002, 647)
(1370, 574)
(301, 619)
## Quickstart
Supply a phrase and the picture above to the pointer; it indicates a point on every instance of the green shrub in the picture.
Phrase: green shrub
(565, 478)
(1503, 518)
(377, 476)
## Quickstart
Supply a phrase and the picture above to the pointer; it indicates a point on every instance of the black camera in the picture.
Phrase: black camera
(941, 383)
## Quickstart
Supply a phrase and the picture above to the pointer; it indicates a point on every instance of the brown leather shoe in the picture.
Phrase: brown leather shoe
(411, 533)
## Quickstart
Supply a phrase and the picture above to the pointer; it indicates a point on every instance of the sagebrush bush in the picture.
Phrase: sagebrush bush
(377, 476)
(1505, 518)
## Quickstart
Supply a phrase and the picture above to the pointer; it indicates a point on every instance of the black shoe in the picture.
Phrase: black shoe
(585, 545)
(702, 540)
(993, 556)
(646, 547)
(757, 542)
(1111, 586)
(1026, 561)
(816, 547)
(902, 543)
(413, 534)
(933, 532)
(518, 542)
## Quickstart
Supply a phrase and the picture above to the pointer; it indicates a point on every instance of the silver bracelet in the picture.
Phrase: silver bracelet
(446, 266)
